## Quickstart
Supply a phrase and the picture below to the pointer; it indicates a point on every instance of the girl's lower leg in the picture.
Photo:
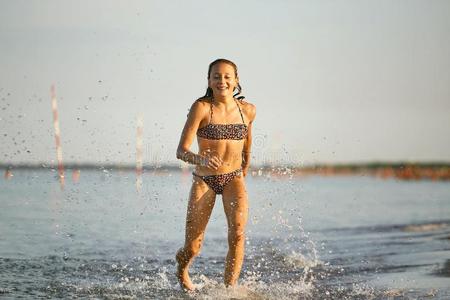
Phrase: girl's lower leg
(183, 262)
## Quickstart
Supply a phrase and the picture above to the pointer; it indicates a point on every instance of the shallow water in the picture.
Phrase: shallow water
(307, 238)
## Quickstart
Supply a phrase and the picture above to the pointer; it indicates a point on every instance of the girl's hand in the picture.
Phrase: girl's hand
(212, 162)
(245, 171)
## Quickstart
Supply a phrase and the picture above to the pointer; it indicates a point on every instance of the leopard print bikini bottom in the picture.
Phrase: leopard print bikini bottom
(218, 182)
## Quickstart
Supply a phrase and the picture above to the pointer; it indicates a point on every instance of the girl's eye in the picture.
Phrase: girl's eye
(218, 77)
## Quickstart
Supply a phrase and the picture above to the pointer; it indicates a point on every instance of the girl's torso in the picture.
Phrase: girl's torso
(222, 135)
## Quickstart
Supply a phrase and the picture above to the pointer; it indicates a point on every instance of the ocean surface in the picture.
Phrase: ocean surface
(345, 237)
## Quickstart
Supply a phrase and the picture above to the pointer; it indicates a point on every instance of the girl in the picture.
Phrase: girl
(223, 125)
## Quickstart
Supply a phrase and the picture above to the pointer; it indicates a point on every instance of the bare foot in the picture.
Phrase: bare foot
(182, 271)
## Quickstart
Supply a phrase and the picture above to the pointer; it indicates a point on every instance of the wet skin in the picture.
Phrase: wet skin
(216, 157)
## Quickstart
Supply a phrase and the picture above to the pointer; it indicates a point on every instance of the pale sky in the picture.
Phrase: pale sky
(333, 81)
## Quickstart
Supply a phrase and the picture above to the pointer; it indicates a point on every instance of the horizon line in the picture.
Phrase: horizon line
(150, 166)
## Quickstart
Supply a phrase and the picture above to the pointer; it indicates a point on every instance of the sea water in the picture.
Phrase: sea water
(346, 237)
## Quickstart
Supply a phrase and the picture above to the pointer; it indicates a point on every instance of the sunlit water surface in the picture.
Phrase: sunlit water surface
(307, 238)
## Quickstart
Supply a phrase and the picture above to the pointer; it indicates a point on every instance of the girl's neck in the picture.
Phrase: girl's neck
(223, 100)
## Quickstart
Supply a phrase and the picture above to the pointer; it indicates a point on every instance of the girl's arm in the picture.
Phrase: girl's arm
(195, 116)
(246, 151)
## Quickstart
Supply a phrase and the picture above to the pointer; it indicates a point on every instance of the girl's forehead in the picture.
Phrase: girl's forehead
(222, 68)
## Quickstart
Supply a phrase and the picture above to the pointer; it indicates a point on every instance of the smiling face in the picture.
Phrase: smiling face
(222, 79)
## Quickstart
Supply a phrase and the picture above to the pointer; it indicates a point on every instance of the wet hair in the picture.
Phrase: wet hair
(209, 91)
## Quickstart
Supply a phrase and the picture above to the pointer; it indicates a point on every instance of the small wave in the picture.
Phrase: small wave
(443, 271)
(5, 291)
(417, 227)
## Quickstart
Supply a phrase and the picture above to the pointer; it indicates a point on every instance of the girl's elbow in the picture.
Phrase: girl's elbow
(180, 153)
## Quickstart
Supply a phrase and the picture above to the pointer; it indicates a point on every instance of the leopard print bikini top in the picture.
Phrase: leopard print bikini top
(223, 131)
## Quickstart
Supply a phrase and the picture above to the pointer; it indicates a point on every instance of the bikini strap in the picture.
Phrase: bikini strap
(242, 117)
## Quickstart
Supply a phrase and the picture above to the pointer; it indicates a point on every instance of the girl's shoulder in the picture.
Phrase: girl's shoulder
(204, 100)
(248, 108)
(200, 106)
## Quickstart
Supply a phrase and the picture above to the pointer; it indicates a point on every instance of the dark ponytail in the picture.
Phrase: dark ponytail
(209, 91)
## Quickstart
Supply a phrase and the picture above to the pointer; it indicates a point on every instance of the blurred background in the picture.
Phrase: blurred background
(333, 82)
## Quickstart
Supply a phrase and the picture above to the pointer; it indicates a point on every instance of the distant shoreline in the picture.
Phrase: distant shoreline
(400, 170)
